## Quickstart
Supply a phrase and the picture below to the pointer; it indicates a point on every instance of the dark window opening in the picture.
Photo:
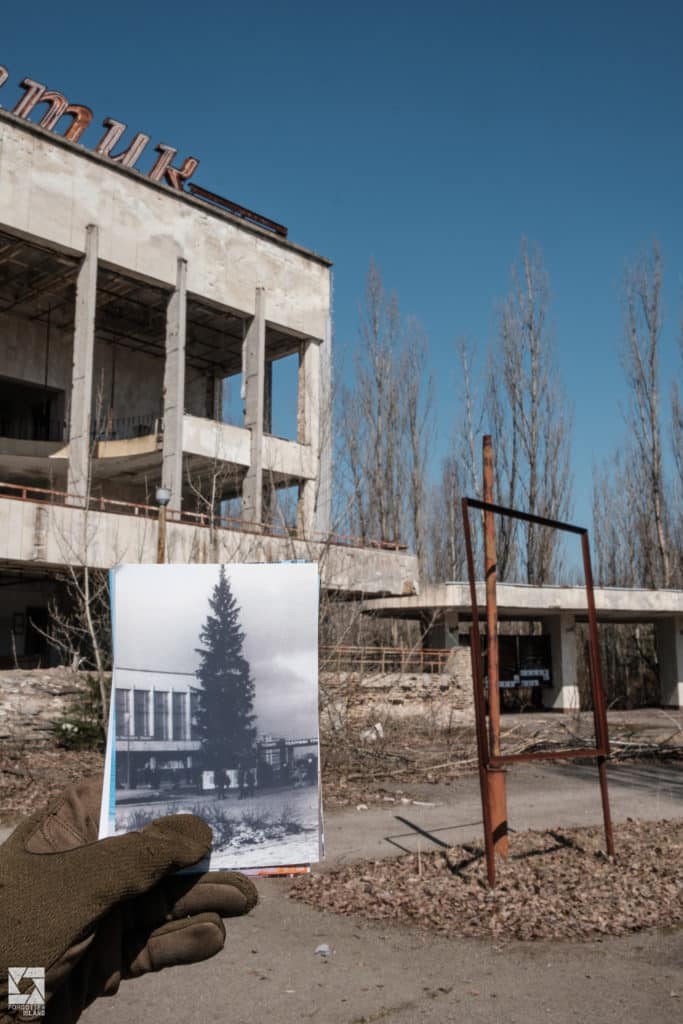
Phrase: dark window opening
(179, 717)
(160, 715)
(30, 412)
(141, 712)
(122, 712)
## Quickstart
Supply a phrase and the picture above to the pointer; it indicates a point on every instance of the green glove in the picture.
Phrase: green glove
(92, 913)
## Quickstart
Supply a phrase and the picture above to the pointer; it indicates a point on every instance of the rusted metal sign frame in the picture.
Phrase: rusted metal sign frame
(487, 760)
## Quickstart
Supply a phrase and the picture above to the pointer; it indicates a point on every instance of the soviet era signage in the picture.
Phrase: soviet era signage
(58, 107)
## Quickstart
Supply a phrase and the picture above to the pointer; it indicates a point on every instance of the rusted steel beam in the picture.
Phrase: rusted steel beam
(525, 517)
(240, 211)
(489, 760)
(479, 705)
(598, 691)
(490, 569)
(496, 775)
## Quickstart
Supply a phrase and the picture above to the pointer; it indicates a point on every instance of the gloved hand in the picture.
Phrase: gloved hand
(92, 913)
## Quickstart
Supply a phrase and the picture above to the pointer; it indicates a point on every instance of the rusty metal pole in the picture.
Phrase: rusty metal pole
(599, 703)
(479, 705)
(161, 539)
(163, 496)
(499, 823)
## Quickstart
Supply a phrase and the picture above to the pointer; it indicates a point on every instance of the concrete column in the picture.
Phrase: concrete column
(451, 627)
(254, 394)
(669, 641)
(269, 498)
(564, 694)
(323, 510)
(81, 381)
(174, 389)
(308, 430)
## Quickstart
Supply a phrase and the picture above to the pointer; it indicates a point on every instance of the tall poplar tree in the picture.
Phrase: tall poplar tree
(225, 718)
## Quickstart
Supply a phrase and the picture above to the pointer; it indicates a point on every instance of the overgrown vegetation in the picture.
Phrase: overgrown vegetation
(80, 727)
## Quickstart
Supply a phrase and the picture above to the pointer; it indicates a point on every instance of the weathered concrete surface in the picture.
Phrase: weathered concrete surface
(539, 796)
(669, 639)
(174, 388)
(80, 409)
(254, 354)
(53, 189)
(612, 603)
(379, 972)
(30, 700)
(440, 699)
(559, 608)
(54, 535)
(269, 972)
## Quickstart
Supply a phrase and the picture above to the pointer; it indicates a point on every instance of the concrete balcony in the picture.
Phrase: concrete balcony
(40, 528)
(223, 442)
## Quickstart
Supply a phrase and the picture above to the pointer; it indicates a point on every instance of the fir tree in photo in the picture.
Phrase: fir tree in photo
(225, 719)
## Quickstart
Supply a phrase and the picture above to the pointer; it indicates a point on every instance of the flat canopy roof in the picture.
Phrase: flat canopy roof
(522, 601)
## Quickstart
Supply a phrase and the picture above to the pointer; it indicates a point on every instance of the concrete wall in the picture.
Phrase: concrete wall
(432, 699)
(53, 190)
(55, 535)
(25, 355)
(31, 701)
(23, 349)
(669, 640)
(223, 441)
(138, 382)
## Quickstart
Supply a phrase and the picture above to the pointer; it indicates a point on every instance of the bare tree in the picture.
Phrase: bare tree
(385, 423)
(530, 422)
(677, 445)
(446, 547)
(80, 624)
(640, 358)
(417, 396)
(460, 476)
(616, 526)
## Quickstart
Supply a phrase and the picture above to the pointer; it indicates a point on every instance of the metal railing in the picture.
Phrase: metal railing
(31, 429)
(127, 427)
(382, 660)
(204, 520)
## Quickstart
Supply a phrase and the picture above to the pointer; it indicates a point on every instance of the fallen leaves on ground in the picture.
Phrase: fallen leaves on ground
(557, 884)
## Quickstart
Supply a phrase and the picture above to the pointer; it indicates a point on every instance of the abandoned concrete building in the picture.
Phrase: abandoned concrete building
(548, 661)
(150, 338)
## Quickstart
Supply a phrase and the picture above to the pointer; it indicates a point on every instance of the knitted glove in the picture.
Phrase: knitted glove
(92, 913)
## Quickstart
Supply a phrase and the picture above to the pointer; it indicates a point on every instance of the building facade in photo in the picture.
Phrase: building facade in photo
(150, 334)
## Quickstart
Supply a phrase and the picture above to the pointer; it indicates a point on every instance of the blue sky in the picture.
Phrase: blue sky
(429, 137)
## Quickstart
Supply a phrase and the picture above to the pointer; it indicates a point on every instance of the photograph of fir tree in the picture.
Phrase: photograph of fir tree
(216, 706)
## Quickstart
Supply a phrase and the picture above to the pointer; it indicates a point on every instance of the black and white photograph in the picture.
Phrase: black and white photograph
(216, 706)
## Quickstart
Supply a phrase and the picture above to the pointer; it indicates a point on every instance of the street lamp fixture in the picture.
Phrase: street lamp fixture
(163, 496)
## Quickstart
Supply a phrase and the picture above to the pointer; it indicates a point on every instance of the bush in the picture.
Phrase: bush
(80, 726)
